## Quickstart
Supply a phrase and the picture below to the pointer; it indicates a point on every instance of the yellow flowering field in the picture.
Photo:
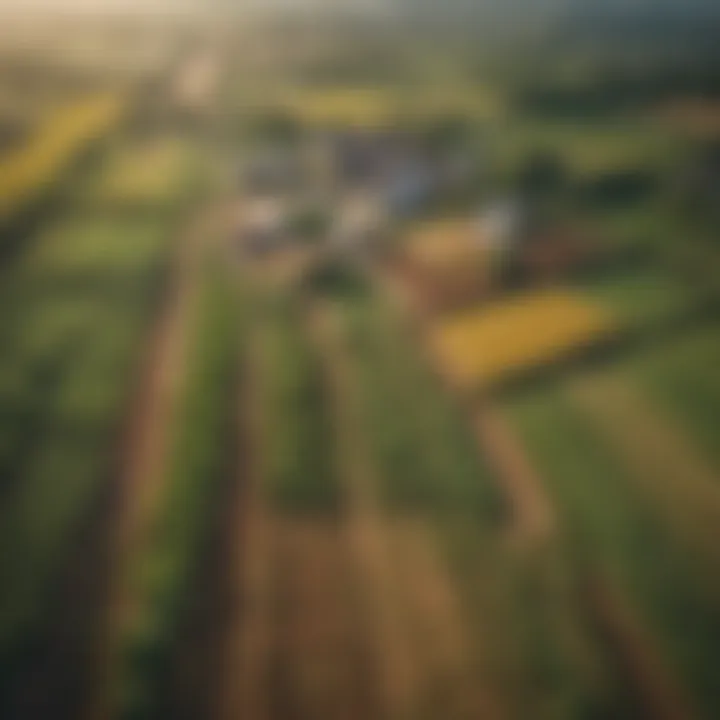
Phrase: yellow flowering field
(149, 172)
(480, 347)
(58, 139)
(353, 107)
(372, 107)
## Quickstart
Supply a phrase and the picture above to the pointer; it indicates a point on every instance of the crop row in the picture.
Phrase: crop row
(416, 429)
(75, 308)
(618, 529)
(299, 473)
(683, 377)
(200, 462)
(524, 618)
(71, 341)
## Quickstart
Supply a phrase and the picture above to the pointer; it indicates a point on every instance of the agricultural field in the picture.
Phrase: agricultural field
(60, 383)
(698, 118)
(589, 149)
(636, 535)
(477, 348)
(78, 295)
(683, 379)
(458, 460)
(299, 476)
(643, 296)
(74, 323)
(377, 107)
(201, 448)
(154, 172)
(38, 163)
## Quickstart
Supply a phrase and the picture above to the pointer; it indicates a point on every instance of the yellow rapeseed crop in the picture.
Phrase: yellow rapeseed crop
(147, 172)
(372, 107)
(478, 348)
(353, 107)
(26, 172)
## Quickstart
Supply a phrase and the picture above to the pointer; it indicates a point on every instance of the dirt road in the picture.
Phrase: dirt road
(144, 452)
(243, 683)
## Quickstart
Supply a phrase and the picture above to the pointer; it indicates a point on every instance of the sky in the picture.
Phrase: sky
(541, 6)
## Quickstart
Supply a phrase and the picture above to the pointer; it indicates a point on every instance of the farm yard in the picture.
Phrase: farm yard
(454, 454)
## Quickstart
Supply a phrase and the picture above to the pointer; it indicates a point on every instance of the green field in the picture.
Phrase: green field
(641, 297)
(417, 431)
(77, 308)
(297, 430)
(614, 525)
(73, 317)
(588, 148)
(683, 377)
(236, 478)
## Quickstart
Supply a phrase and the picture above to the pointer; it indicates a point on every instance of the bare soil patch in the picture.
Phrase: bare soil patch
(452, 680)
(321, 666)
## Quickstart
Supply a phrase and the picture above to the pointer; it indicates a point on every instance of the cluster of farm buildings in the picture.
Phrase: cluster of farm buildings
(385, 196)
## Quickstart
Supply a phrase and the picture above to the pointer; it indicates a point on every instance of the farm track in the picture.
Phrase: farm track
(533, 517)
(395, 666)
(670, 472)
(143, 455)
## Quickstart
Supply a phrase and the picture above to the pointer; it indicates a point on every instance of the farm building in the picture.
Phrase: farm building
(273, 170)
(262, 225)
(409, 186)
(361, 220)
(358, 157)
(532, 250)
(504, 224)
(554, 255)
(446, 266)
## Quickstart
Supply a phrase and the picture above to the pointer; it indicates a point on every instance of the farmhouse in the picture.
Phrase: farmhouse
(504, 224)
(409, 186)
(361, 220)
(262, 225)
(445, 266)
(272, 170)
